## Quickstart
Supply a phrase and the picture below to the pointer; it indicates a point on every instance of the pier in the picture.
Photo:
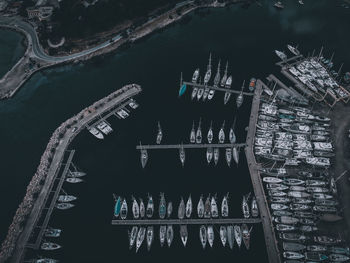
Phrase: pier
(18, 237)
(269, 233)
(197, 221)
(49, 209)
(189, 146)
(200, 86)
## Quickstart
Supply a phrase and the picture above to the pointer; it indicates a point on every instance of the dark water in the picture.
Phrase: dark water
(244, 37)
(11, 49)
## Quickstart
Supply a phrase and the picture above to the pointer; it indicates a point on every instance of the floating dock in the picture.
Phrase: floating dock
(269, 233)
(196, 85)
(198, 221)
(190, 146)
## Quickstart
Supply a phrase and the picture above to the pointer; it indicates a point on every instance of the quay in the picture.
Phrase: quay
(196, 85)
(36, 244)
(189, 146)
(29, 211)
(266, 219)
(198, 221)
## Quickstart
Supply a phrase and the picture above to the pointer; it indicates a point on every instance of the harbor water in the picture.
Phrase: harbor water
(245, 36)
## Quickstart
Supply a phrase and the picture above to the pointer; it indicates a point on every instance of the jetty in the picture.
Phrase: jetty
(190, 146)
(20, 234)
(201, 86)
(266, 219)
(197, 221)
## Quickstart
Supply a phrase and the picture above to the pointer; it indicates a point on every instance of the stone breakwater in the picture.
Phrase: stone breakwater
(63, 132)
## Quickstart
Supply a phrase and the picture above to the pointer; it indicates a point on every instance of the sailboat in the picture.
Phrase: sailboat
(183, 234)
(228, 86)
(208, 73)
(216, 155)
(189, 207)
(228, 155)
(140, 237)
(232, 135)
(200, 207)
(223, 235)
(159, 134)
(246, 235)
(199, 133)
(235, 154)
(124, 210)
(239, 100)
(135, 209)
(224, 77)
(117, 207)
(216, 82)
(162, 234)
(210, 133)
(193, 134)
(142, 209)
(162, 206)
(224, 206)
(210, 232)
(203, 236)
(144, 156)
(222, 133)
(182, 155)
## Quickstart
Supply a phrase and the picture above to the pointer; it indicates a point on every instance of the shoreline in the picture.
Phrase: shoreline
(30, 208)
(16, 77)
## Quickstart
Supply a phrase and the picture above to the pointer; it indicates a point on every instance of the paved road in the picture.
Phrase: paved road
(34, 45)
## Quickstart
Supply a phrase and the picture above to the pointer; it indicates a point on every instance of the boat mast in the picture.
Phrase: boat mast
(318, 58)
(226, 68)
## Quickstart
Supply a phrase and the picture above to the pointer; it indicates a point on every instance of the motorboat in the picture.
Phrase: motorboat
(216, 155)
(245, 207)
(124, 209)
(238, 235)
(222, 134)
(207, 208)
(246, 235)
(149, 237)
(195, 76)
(200, 207)
(162, 206)
(224, 206)
(291, 246)
(189, 207)
(210, 133)
(209, 154)
(169, 209)
(162, 235)
(150, 207)
(182, 155)
(210, 233)
(52, 232)
(135, 209)
(169, 235)
(142, 209)
(64, 206)
(183, 234)
(228, 155)
(203, 235)
(159, 134)
(66, 198)
(254, 207)
(230, 236)
(214, 208)
(50, 246)
(181, 209)
(223, 235)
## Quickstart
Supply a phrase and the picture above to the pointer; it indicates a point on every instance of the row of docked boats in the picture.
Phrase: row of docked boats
(202, 91)
(206, 207)
(229, 235)
(103, 128)
(292, 135)
(300, 193)
(315, 75)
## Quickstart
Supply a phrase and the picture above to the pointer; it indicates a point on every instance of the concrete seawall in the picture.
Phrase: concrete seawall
(30, 209)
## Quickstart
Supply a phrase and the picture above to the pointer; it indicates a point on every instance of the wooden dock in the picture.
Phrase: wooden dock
(196, 221)
(201, 86)
(269, 233)
(189, 146)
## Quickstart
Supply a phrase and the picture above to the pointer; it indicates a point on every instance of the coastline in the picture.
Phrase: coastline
(15, 78)
(30, 208)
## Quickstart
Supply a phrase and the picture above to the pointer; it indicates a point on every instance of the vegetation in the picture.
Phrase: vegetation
(73, 20)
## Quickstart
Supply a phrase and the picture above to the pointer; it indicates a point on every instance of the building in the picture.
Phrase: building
(41, 12)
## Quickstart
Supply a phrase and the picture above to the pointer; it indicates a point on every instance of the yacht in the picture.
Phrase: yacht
(209, 154)
(230, 236)
(150, 207)
(290, 246)
(50, 246)
(254, 207)
(224, 77)
(279, 5)
(200, 207)
(281, 54)
(195, 76)
(182, 155)
(189, 207)
(135, 209)
(104, 127)
(228, 86)
(169, 209)
(149, 237)
(74, 180)
(228, 155)
(159, 134)
(52, 232)
(203, 236)
(246, 235)
(193, 134)
(210, 133)
(214, 207)
(66, 198)
(315, 256)
(210, 233)
(208, 73)
(133, 236)
(224, 206)
(222, 133)
(64, 206)
(124, 210)
(142, 209)
(245, 207)
(292, 255)
(45, 260)
(144, 157)
(140, 237)
(169, 235)
(96, 133)
(294, 50)
(183, 234)
(238, 235)
(338, 258)
(162, 235)
(181, 209)
(223, 235)
(199, 133)
(216, 155)
(207, 208)
(162, 206)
